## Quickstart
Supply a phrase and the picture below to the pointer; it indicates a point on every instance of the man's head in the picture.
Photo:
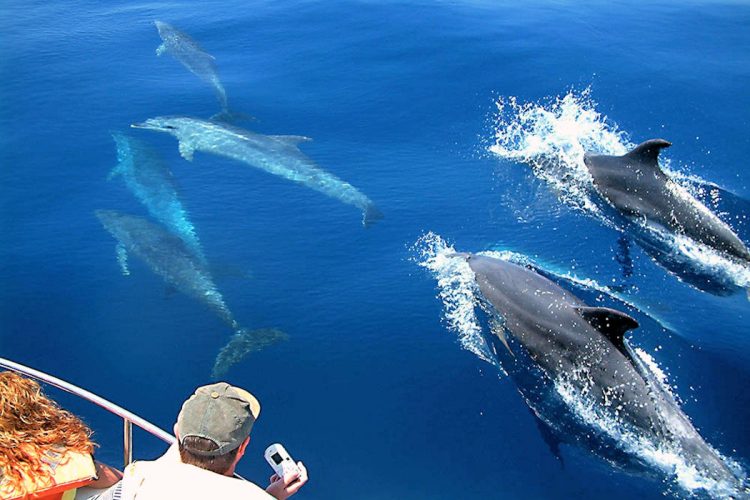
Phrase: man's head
(213, 427)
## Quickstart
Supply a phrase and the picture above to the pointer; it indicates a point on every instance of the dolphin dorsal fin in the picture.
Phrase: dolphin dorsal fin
(611, 323)
(292, 140)
(648, 152)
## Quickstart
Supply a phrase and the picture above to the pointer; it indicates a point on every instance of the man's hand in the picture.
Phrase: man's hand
(284, 487)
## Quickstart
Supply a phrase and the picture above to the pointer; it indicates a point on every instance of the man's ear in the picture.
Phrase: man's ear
(174, 429)
(243, 446)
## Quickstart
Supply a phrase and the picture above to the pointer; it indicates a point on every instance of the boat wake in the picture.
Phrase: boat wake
(553, 136)
(462, 315)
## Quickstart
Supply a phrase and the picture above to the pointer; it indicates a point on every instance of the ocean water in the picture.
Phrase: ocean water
(464, 123)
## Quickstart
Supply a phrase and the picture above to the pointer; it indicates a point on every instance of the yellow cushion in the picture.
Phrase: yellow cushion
(70, 470)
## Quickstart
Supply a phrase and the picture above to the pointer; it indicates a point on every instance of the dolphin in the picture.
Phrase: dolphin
(277, 154)
(193, 57)
(152, 182)
(635, 185)
(169, 257)
(571, 343)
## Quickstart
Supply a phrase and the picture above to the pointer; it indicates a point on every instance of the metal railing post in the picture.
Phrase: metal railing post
(127, 444)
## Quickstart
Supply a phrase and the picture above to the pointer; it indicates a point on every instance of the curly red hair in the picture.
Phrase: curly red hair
(30, 425)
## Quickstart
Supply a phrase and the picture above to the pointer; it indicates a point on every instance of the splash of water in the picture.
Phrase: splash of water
(659, 454)
(456, 291)
(659, 374)
(553, 138)
(686, 250)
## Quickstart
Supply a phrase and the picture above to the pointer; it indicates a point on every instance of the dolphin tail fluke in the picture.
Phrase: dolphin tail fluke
(245, 341)
(263, 337)
(371, 215)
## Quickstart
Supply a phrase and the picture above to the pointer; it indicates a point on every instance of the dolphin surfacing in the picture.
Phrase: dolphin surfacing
(276, 154)
(584, 347)
(193, 57)
(635, 185)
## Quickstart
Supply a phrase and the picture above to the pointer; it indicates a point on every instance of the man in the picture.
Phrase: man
(212, 431)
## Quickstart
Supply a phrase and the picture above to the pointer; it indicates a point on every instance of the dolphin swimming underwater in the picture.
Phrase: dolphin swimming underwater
(635, 185)
(168, 256)
(193, 57)
(582, 348)
(152, 182)
(276, 154)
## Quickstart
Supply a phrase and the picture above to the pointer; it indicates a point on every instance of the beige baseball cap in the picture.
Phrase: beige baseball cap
(220, 413)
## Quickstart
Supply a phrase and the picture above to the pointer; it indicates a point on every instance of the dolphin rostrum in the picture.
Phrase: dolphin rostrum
(276, 154)
(584, 347)
(636, 186)
(169, 257)
(152, 182)
(193, 57)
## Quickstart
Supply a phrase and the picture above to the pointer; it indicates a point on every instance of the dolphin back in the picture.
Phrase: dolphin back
(637, 187)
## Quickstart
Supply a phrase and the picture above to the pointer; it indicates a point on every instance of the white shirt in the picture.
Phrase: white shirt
(167, 478)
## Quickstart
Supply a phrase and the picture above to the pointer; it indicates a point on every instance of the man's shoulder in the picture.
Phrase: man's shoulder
(189, 481)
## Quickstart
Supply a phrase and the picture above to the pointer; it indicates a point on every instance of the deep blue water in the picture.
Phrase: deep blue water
(372, 390)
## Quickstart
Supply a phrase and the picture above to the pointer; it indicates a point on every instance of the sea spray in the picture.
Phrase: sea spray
(553, 138)
(455, 291)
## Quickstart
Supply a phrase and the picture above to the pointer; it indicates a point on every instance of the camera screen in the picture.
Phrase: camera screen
(276, 458)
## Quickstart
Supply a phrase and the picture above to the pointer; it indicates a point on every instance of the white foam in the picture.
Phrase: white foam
(456, 286)
(658, 454)
(553, 138)
(687, 250)
(659, 374)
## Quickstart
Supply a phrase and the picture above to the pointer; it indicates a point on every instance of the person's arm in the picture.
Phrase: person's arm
(284, 487)
(106, 476)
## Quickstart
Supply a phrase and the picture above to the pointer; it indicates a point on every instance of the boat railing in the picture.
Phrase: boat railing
(128, 418)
